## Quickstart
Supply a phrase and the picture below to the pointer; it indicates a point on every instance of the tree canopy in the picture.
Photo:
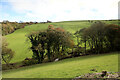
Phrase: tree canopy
(52, 42)
(101, 37)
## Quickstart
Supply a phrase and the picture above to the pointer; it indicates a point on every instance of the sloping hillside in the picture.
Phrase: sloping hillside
(67, 68)
(18, 42)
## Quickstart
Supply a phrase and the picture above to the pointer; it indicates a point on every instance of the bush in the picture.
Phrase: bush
(29, 62)
(7, 53)
(78, 51)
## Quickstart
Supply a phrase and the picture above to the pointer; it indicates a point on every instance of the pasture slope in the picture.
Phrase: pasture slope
(18, 42)
(67, 68)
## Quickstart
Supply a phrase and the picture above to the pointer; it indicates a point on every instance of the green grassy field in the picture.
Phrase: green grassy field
(67, 68)
(18, 43)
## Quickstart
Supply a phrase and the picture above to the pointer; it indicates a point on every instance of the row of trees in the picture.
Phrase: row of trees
(52, 42)
(100, 37)
(10, 27)
(56, 42)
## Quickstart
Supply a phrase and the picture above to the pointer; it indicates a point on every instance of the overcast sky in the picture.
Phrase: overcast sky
(58, 10)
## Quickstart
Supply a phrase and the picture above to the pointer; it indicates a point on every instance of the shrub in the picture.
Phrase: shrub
(29, 62)
(7, 53)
